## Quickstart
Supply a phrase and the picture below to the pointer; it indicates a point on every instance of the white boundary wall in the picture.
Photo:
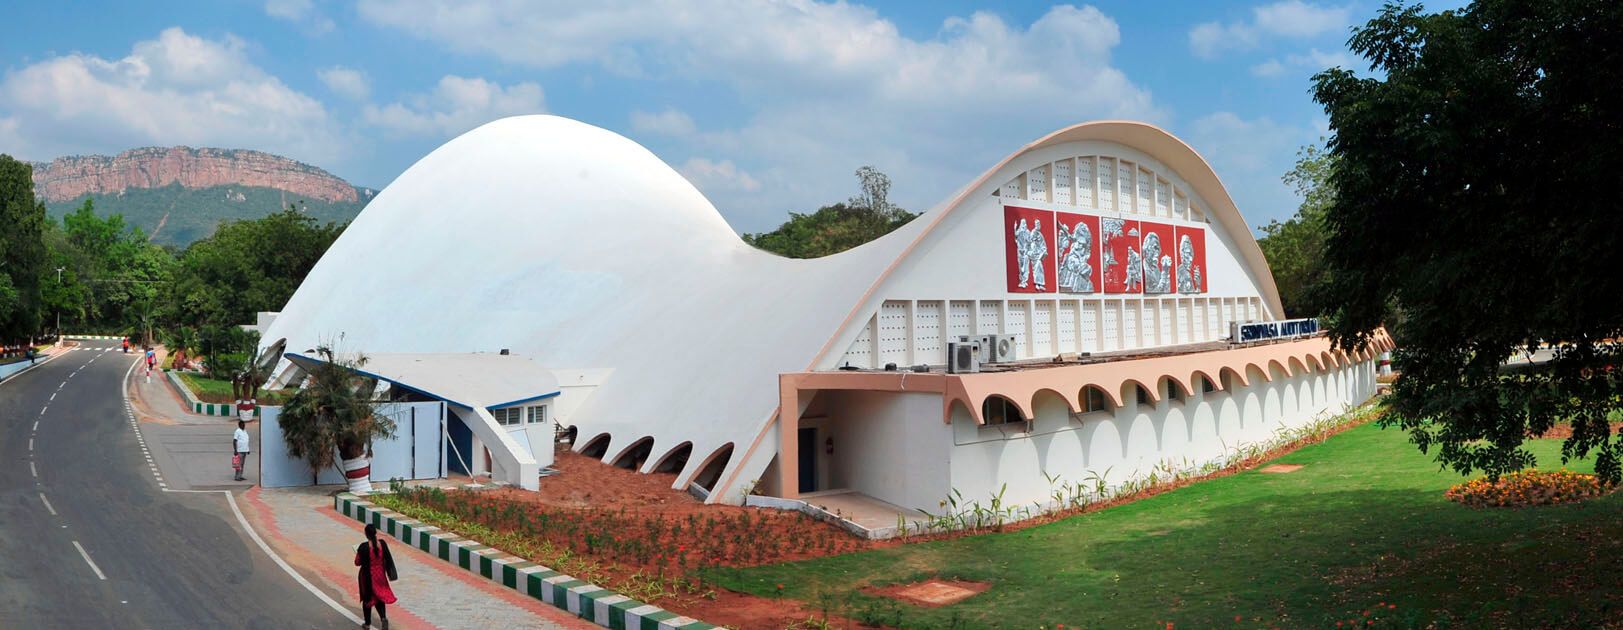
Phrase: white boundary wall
(412, 454)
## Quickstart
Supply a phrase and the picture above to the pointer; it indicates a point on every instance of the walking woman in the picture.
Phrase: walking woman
(377, 569)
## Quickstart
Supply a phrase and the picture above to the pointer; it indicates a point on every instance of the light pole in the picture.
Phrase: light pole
(59, 308)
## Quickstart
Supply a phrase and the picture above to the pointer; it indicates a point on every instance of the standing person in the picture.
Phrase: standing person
(377, 569)
(31, 354)
(152, 359)
(126, 345)
(239, 448)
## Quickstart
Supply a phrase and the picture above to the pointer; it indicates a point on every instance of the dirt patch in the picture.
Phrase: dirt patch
(1280, 468)
(1563, 431)
(585, 482)
(931, 593)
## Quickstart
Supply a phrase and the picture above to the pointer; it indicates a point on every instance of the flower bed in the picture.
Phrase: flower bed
(642, 555)
(1529, 487)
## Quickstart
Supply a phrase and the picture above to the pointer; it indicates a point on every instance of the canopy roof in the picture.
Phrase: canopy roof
(475, 380)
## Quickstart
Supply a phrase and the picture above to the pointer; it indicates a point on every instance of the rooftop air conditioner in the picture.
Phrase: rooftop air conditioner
(963, 357)
(993, 348)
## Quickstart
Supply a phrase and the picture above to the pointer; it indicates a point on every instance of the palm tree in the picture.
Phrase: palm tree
(333, 419)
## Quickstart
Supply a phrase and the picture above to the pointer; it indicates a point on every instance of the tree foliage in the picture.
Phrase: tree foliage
(246, 267)
(22, 252)
(835, 228)
(111, 275)
(1295, 247)
(334, 415)
(1474, 188)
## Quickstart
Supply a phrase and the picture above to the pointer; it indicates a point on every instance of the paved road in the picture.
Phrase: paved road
(170, 560)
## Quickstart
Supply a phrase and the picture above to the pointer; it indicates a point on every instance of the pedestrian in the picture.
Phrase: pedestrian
(126, 345)
(31, 354)
(152, 359)
(239, 448)
(377, 570)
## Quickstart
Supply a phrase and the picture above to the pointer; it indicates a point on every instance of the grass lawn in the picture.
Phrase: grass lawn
(1364, 522)
(218, 390)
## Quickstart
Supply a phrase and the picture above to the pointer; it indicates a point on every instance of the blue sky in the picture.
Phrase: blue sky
(768, 107)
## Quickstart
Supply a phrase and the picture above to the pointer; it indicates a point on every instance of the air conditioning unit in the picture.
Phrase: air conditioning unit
(994, 348)
(963, 357)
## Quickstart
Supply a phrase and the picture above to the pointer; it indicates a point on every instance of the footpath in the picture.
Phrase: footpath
(300, 524)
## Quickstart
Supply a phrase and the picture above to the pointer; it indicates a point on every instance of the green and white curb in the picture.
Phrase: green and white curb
(107, 337)
(588, 601)
(199, 407)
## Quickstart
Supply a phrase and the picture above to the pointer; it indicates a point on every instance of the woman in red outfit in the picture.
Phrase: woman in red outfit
(377, 568)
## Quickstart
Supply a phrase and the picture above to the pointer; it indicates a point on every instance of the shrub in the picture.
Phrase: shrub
(1529, 487)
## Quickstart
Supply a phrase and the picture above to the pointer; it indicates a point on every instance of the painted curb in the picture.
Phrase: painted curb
(585, 600)
(106, 337)
(224, 410)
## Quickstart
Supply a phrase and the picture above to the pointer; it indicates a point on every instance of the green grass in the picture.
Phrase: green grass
(218, 390)
(1364, 522)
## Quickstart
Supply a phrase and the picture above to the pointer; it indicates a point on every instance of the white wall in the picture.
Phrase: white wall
(891, 446)
(1129, 442)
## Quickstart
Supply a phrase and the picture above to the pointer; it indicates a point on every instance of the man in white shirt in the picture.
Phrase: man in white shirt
(239, 445)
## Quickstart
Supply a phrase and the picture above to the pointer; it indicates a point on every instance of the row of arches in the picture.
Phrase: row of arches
(637, 455)
(1179, 375)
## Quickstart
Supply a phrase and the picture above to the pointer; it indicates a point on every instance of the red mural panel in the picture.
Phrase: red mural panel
(1158, 252)
(1122, 265)
(1191, 257)
(1078, 253)
(1028, 235)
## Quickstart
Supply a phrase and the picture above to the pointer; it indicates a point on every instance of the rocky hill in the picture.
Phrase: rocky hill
(179, 194)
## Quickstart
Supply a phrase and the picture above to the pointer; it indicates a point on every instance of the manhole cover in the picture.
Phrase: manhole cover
(1281, 468)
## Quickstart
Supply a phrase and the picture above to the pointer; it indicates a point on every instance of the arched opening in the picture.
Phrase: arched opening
(676, 459)
(711, 472)
(634, 456)
(570, 433)
(999, 410)
(597, 448)
(1094, 400)
(1172, 390)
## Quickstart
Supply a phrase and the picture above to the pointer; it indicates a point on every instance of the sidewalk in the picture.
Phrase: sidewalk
(433, 594)
(193, 452)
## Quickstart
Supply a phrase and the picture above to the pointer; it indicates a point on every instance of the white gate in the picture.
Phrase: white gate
(417, 450)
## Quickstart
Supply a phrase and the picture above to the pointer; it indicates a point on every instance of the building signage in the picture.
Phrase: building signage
(1263, 331)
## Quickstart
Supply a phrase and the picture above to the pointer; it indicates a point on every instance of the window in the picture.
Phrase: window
(508, 415)
(1206, 386)
(1093, 400)
(1143, 396)
(997, 411)
(538, 414)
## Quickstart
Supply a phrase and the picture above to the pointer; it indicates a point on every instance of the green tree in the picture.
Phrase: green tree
(333, 416)
(1475, 189)
(245, 267)
(22, 252)
(1295, 247)
(835, 228)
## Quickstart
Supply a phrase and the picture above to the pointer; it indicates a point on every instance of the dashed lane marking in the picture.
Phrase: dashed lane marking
(47, 503)
(32, 470)
(88, 561)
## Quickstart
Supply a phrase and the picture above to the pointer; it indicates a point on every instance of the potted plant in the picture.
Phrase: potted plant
(332, 420)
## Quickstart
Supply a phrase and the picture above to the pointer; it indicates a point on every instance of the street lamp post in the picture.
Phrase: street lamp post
(59, 308)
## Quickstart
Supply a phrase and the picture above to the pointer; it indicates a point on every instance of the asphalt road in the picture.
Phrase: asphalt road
(75, 490)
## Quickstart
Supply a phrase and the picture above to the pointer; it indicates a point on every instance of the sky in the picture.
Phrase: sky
(767, 107)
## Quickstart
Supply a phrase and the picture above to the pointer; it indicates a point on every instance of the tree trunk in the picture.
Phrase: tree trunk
(356, 467)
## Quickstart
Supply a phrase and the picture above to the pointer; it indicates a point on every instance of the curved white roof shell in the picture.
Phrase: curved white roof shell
(580, 249)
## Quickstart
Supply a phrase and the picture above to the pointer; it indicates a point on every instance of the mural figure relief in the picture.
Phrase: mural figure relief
(1157, 266)
(1075, 272)
(1189, 280)
(1022, 245)
(1122, 263)
(1030, 263)
(1135, 270)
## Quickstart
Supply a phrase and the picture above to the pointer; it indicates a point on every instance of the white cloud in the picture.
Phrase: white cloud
(710, 176)
(1250, 156)
(825, 87)
(346, 82)
(175, 89)
(1287, 19)
(302, 12)
(456, 105)
(1311, 62)
(670, 122)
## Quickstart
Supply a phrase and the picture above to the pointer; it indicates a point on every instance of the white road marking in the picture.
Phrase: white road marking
(36, 425)
(30, 444)
(88, 561)
(47, 504)
(31, 469)
(53, 395)
(42, 409)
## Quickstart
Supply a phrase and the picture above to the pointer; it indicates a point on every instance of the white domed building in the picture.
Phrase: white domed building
(1100, 272)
